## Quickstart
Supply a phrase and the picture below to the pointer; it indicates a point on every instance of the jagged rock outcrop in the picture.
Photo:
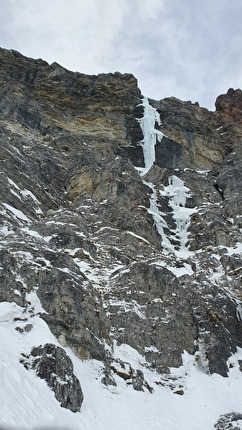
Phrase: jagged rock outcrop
(230, 105)
(232, 420)
(150, 258)
(52, 364)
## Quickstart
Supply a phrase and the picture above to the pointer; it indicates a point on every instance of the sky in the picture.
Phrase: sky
(189, 49)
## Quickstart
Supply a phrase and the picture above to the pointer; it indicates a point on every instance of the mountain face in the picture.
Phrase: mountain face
(122, 216)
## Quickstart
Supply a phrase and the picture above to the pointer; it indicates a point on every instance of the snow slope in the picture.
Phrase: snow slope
(27, 402)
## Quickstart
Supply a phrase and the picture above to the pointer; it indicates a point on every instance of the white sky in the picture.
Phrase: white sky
(190, 49)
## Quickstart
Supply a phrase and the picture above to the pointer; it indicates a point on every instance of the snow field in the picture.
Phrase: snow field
(28, 403)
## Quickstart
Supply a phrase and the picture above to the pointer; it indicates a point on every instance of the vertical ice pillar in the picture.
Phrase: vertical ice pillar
(150, 134)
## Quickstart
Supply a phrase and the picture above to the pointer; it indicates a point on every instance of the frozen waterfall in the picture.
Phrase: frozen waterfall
(147, 124)
(172, 240)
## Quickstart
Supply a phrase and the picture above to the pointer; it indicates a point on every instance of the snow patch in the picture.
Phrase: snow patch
(17, 213)
(130, 306)
(236, 250)
(32, 233)
(35, 303)
(5, 231)
(11, 182)
(138, 237)
(185, 269)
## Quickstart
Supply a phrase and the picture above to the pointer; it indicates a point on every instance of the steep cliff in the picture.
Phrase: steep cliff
(122, 215)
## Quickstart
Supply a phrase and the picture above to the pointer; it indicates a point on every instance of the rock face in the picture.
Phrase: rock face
(113, 250)
(52, 364)
(229, 421)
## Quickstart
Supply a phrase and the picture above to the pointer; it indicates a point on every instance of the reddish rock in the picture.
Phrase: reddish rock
(230, 105)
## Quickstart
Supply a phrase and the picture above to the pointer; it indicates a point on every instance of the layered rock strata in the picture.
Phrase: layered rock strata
(103, 246)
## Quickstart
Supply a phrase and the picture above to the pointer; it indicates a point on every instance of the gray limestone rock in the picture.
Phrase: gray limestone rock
(229, 421)
(78, 224)
(52, 364)
(162, 315)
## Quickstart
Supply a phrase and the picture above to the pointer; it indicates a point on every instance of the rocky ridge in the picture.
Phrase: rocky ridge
(114, 252)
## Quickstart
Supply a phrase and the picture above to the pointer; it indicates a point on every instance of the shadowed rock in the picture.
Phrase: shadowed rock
(52, 364)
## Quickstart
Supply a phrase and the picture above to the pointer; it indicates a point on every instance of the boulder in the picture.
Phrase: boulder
(52, 364)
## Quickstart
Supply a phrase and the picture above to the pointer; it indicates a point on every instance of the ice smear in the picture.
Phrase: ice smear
(159, 220)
